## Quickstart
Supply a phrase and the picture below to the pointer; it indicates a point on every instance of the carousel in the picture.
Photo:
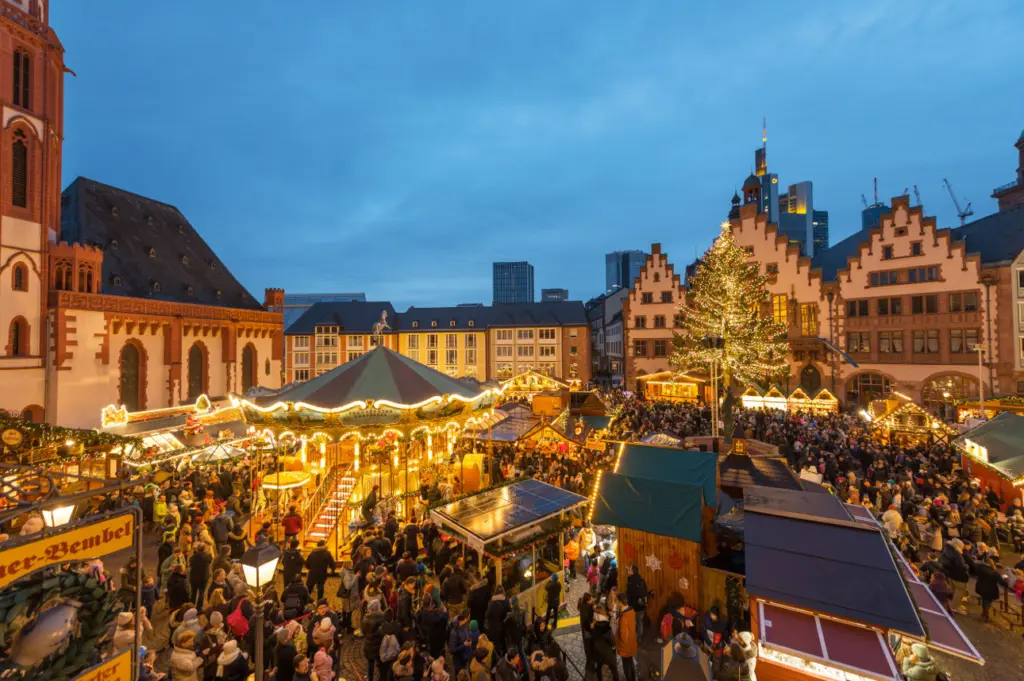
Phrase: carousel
(368, 437)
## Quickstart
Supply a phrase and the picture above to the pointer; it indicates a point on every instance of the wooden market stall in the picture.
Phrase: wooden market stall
(823, 402)
(530, 383)
(907, 423)
(994, 453)
(969, 409)
(673, 386)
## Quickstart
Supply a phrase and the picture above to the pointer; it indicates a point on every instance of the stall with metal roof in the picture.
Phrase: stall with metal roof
(994, 452)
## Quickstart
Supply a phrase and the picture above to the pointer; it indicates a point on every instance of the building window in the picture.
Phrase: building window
(922, 274)
(413, 342)
(355, 341)
(890, 342)
(300, 359)
(503, 351)
(415, 325)
(18, 338)
(963, 302)
(660, 348)
(573, 332)
(19, 170)
(302, 341)
(524, 334)
(451, 324)
(666, 296)
(808, 319)
(22, 80)
(19, 278)
(451, 340)
(524, 351)
(547, 351)
(451, 357)
(858, 342)
(677, 320)
(915, 248)
(546, 334)
(886, 252)
(503, 335)
(432, 357)
(471, 324)
(431, 340)
(926, 342)
(962, 341)
(433, 324)
(657, 276)
(917, 305)
(640, 348)
(302, 374)
(470, 356)
(640, 322)
(659, 321)
(779, 311)
(572, 350)
(931, 304)
(470, 341)
(646, 298)
(857, 308)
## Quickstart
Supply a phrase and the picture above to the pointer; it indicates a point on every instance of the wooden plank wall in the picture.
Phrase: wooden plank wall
(634, 546)
(713, 589)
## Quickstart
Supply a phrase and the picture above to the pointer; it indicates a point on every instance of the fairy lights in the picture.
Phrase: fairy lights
(430, 447)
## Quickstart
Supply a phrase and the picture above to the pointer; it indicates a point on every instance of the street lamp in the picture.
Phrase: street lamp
(58, 516)
(259, 564)
(980, 349)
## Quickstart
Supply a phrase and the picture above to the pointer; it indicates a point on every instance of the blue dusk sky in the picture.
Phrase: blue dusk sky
(398, 148)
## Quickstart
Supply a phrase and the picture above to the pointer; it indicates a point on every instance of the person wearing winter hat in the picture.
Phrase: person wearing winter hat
(553, 591)
(437, 670)
(184, 662)
(323, 634)
(920, 666)
(124, 635)
(189, 622)
(232, 664)
(147, 658)
(323, 665)
(285, 655)
(745, 640)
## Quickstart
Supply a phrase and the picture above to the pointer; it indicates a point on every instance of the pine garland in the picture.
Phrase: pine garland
(724, 301)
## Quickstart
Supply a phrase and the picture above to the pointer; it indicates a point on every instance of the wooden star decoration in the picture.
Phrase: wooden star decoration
(653, 563)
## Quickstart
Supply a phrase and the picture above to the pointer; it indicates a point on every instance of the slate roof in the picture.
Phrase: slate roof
(560, 313)
(835, 568)
(380, 374)
(444, 316)
(997, 238)
(669, 509)
(351, 316)
(773, 499)
(834, 258)
(126, 226)
(742, 471)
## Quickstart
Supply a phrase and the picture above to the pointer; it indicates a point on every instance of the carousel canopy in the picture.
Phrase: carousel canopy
(379, 375)
(998, 443)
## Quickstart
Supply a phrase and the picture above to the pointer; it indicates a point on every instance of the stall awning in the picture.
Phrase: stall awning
(669, 509)
(509, 430)
(663, 439)
(794, 502)
(742, 471)
(998, 443)
(671, 465)
(802, 640)
(597, 422)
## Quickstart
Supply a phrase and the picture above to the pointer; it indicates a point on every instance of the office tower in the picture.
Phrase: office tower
(553, 295)
(513, 282)
(621, 268)
(820, 228)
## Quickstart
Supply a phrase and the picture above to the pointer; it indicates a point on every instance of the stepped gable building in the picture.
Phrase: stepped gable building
(649, 318)
(106, 297)
(907, 302)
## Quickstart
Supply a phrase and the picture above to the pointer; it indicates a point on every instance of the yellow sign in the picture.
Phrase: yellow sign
(80, 543)
(12, 437)
(117, 668)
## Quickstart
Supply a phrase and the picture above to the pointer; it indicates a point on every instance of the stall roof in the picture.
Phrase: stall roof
(671, 464)
(794, 503)
(662, 438)
(669, 509)
(490, 514)
(1003, 441)
(597, 422)
(834, 567)
(742, 471)
(508, 430)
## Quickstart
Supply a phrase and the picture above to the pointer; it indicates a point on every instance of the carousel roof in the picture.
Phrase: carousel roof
(379, 375)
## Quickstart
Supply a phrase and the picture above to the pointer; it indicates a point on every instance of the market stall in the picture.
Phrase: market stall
(823, 402)
(673, 386)
(530, 383)
(994, 453)
(907, 423)
(971, 409)
(509, 526)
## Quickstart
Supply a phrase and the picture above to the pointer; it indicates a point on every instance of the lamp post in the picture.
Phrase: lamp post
(58, 516)
(980, 349)
(259, 564)
(831, 339)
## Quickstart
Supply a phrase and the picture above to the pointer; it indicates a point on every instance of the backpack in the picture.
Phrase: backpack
(237, 622)
(389, 648)
(292, 606)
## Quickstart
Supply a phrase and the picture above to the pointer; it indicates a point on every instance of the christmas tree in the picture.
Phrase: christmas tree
(724, 302)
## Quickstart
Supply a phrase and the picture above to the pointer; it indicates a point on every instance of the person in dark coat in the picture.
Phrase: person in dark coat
(367, 509)
(319, 562)
(285, 655)
(554, 600)
(494, 619)
(220, 528)
(391, 526)
(177, 588)
(955, 566)
(514, 625)
(199, 572)
(988, 585)
(237, 541)
(166, 548)
(479, 597)
(586, 610)
(371, 626)
(432, 626)
(292, 562)
(405, 609)
(412, 533)
(636, 597)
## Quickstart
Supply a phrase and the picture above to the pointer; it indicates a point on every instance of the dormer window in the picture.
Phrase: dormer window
(472, 323)
(189, 291)
(184, 260)
(220, 294)
(149, 220)
(433, 324)
(213, 264)
(114, 211)
(155, 287)
(114, 244)
(116, 280)
(415, 325)
(181, 229)
(452, 323)
(151, 252)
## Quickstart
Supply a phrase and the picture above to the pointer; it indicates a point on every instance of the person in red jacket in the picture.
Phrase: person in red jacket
(292, 523)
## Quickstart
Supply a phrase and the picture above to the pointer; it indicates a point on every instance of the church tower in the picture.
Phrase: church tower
(31, 135)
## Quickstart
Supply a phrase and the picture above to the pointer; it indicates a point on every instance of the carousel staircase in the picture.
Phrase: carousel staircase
(331, 512)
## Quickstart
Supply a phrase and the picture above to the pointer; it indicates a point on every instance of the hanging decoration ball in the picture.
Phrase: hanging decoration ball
(628, 551)
(675, 561)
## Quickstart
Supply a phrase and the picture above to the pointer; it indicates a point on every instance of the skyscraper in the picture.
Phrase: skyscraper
(820, 227)
(621, 268)
(513, 282)
(553, 295)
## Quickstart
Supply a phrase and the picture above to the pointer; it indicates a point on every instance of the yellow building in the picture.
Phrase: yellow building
(451, 340)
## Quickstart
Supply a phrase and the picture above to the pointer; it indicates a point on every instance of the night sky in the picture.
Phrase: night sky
(399, 148)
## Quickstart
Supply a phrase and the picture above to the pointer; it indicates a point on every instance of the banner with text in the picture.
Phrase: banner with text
(77, 543)
(117, 668)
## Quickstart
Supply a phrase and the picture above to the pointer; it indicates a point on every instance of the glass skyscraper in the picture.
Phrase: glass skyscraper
(621, 268)
(513, 282)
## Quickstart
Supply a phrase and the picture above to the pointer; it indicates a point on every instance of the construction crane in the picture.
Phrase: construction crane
(962, 213)
(917, 197)
(864, 201)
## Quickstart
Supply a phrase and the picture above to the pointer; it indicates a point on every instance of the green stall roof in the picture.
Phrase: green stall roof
(670, 509)
(672, 464)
